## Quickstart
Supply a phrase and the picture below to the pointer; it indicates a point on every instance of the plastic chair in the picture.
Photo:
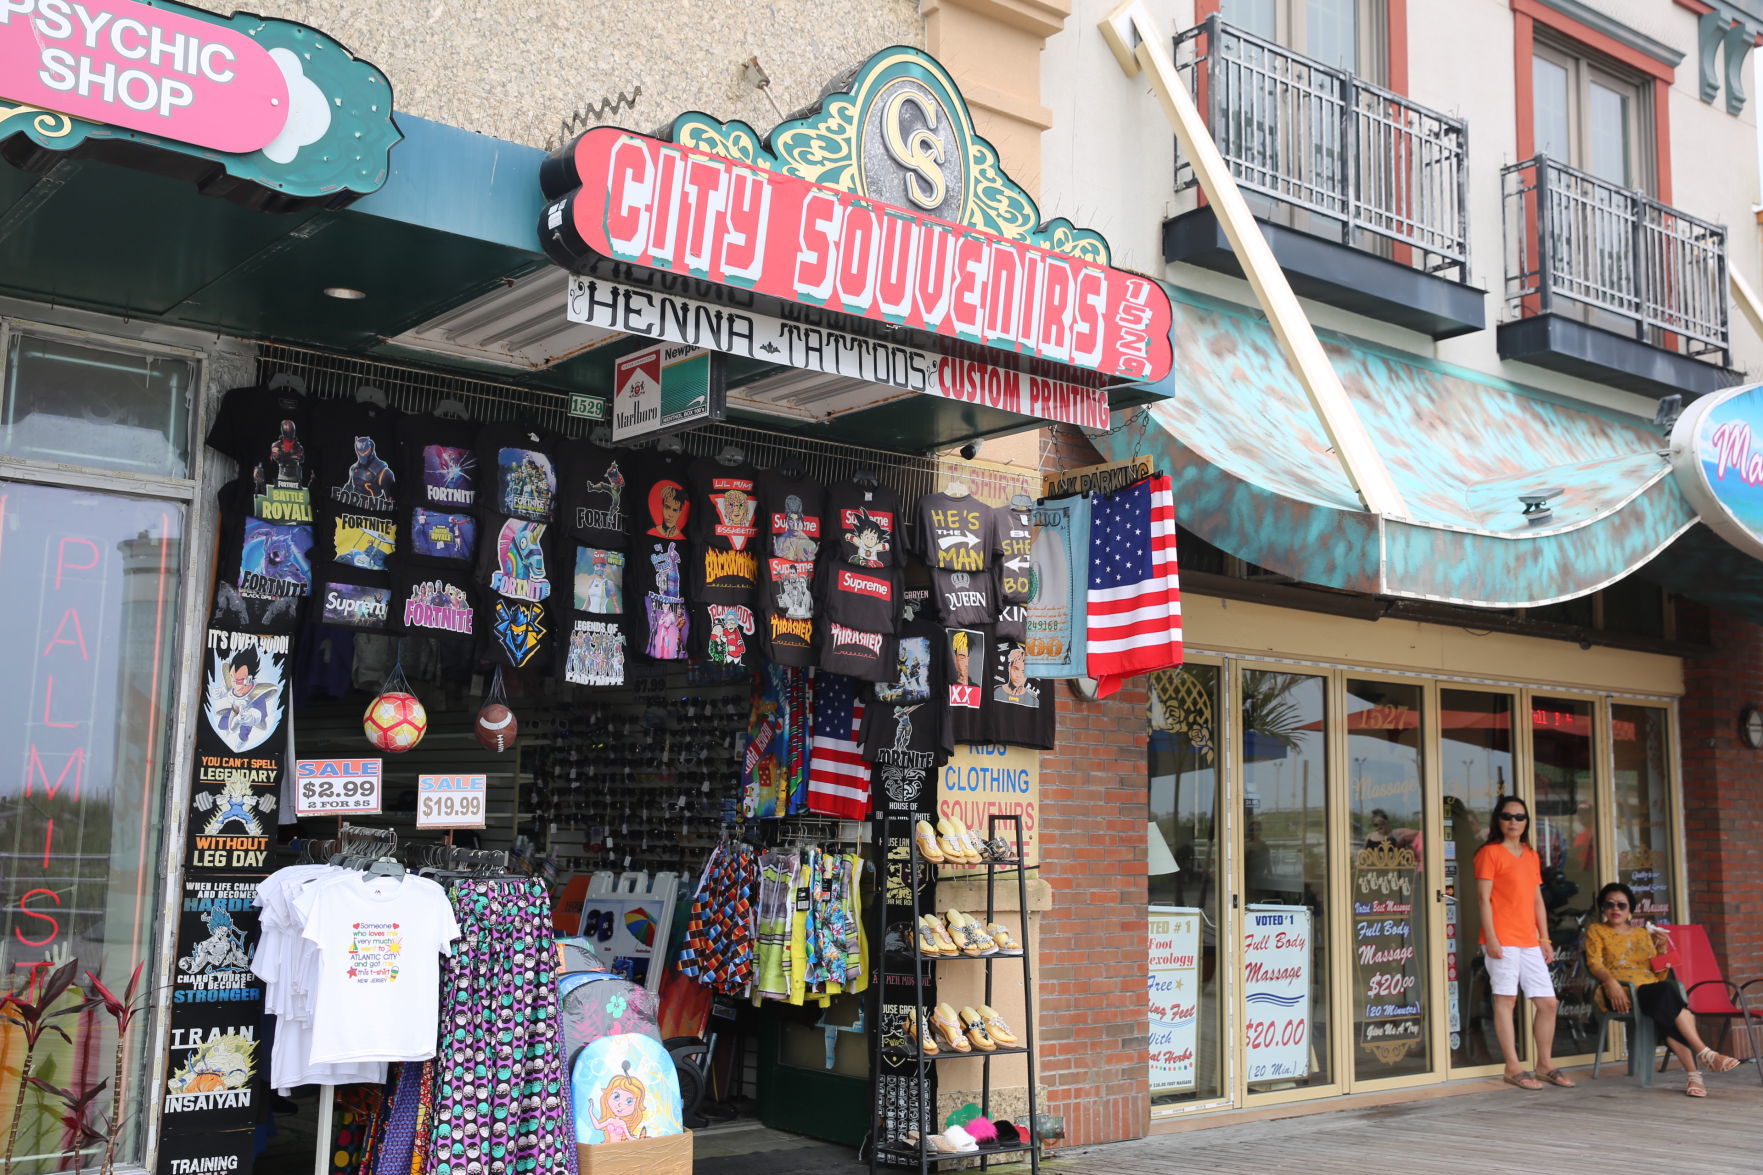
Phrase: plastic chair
(1642, 1037)
(1709, 994)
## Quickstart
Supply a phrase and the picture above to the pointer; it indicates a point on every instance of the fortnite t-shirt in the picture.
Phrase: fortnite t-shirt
(964, 599)
(964, 664)
(438, 485)
(593, 649)
(267, 431)
(265, 567)
(591, 493)
(1013, 536)
(726, 511)
(1019, 708)
(863, 523)
(356, 458)
(902, 725)
(515, 581)
(954, 534)
(597, 581)
(661, 624)
(348, 538)
(519, 471)
(434, 601)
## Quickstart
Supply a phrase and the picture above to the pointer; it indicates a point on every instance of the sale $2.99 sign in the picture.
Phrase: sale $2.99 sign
(337, 787)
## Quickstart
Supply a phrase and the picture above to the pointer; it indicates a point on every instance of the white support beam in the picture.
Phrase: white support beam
(1132, 33)
(1746, 297)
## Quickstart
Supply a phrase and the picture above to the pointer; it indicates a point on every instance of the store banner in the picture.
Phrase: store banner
(241, 751)
(1386, 962)
(905, 1099)
(1058, 595)
(1276, 974)
(201, 1152)
(218, 929)
(982, 780)
(1173, 984)
(211, 1069)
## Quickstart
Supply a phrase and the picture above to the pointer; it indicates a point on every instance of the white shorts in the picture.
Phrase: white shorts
(1519, 967)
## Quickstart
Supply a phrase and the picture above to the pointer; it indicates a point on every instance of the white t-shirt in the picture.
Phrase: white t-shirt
(380, 942)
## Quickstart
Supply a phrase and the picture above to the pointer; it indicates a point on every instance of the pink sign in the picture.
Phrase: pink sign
(144, 69)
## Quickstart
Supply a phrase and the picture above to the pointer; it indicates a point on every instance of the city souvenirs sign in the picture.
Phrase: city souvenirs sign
(268, 113)
(877, 237)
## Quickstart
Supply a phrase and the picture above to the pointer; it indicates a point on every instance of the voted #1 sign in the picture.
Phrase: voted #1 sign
(451, 801)
(1276, 968)
(337, 787)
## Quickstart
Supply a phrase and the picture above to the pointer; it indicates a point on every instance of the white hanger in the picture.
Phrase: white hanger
(368, 394)
(957, 489)
(287, 379)
(450, 410)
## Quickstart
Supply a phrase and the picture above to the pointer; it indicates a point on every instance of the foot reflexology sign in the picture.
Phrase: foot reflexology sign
(1173, 980)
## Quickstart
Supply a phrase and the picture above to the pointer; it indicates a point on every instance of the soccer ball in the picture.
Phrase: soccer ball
(395, 722)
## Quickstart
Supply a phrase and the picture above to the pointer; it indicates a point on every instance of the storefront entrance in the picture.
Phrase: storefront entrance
(1313, 832)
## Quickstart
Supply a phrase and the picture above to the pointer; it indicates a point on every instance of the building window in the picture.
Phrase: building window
(1590, 116)
(1345, 34)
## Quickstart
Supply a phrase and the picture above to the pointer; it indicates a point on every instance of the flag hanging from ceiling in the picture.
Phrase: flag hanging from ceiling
(1134, 600)
(838, 776)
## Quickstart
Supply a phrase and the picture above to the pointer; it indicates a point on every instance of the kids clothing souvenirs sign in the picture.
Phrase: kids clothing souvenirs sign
(794, 509)
(660, 554)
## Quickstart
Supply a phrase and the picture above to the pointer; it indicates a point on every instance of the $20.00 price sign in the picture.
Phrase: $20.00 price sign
(451, 801)
(336, 787)
(1276, 964)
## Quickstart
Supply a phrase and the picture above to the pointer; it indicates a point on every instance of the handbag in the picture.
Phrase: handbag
(1668, 958)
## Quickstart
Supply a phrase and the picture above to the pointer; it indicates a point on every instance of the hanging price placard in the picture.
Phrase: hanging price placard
(337, 787)
(451, 801)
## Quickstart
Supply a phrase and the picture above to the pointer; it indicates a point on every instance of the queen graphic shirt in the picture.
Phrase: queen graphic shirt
(515, 580)
(268, 432)
(964, 599)
(380, 942)
(439, 486)
(357, 457)
(519, 471)
(594, 507)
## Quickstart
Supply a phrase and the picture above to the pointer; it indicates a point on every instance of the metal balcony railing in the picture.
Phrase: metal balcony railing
(1575, 241)
(1384, 169)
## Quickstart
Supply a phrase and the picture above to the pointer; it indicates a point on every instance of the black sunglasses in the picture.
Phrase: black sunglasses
(1518, 817)
(1615, 905)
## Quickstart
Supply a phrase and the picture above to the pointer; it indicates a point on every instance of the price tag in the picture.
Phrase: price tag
(451, 801)
(337, 787)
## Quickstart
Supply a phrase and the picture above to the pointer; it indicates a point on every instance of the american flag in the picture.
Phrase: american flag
(838, 778)
(1134, 602)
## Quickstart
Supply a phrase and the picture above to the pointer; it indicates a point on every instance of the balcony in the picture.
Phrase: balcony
(1362, 194)
(1607, 283)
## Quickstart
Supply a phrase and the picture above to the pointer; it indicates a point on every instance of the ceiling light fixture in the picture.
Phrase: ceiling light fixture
(344, 293)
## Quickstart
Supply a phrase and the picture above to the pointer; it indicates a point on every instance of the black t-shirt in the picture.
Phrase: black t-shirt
(357, 456)
(353, 599)
(864, 525)
(721, 576)
(661, 506)
(595, 508)
(726, 635)
(860, 597)
(265, 567)
(964, 664)
(954, 534)
(593, 650)
(347, 538)
(598, 581)
(518, 632)
(439, 464)
(793, 525)
(1013, 535)
(1012, 622)
(787, 641)
(518, 464)
(1019, 709)
(436, 602)
(654, 580)
(902, 725)
(726, 510)
(516, 559)
(268, 432)
(428, 534)
(856, 653)
(964, 599)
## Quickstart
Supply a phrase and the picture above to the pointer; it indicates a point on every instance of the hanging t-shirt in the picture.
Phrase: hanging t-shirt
(594, 650)
(434, 601)
(964, 598)
(597, 586)
(902, 726)
(653, 583)
(380, 942)
(726, 634)
(793, 528)
(1012, 622)
(517, 631)
(363, 541)
(864, 522)
(266, 430)
(726, 506)
(787, 641)
(860, 597)
(661, 508)
(964, 666)
(855, 652)
(356, 456)
(352, 599)
(265, 567)
(519, 471)
(514, 581)
(1019, 708)
(1013, 537)
(439, 463)
(442, 536)
(954, 534)
(594, 506)
(722, 576)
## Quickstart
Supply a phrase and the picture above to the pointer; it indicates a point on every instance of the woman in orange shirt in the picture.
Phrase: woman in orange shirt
(1515, 940)
(1618, 951)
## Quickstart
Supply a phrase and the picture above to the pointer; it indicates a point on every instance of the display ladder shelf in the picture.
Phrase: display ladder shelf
(892, 827)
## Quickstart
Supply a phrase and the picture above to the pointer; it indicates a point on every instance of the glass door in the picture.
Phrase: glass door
(1285, 958)
(1565, 833)
(1390, 947)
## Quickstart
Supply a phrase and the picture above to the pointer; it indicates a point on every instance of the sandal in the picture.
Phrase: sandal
(949, 1028)
(1692, 1085)
(1716, 1062)
(926, 1042)
(1001, 935)
(925, 837)
(996, 1025)
(976, 1031)
(1521, 1080)
(1556, 1077)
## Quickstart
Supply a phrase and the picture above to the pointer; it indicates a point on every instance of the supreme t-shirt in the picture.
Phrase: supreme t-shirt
(435, 601)
(964, 667)
(1013, 536)
(1019, 708)
(268, 432)
(519, 470)
(902, 725)
(726, 506)
(964, 599)
(861, 597)
(793, 524)
(356, 456)
(594, 507)
(346, 598)
(954, 534)
(864, 526)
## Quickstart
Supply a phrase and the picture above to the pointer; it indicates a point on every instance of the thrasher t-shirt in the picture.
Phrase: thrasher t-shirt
(519, 465)
(964, 598)
(356, 458)
(864, 523)
(855, 652)
(1013, 536)
(860, 597)
(954, 534)
(726, 506)
(440, 467)
(902, 726)
(1019, 708)
(964, 668)
(268, 432)
(787, 641)
(595, 508)
(434, 601)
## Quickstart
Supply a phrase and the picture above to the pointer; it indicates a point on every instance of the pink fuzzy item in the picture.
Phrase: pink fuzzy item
(983, 1131)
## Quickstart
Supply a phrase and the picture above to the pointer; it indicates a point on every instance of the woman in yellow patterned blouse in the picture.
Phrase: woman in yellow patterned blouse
(1618, 951)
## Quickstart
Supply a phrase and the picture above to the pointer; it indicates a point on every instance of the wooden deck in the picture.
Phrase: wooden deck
(1606, 1127)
